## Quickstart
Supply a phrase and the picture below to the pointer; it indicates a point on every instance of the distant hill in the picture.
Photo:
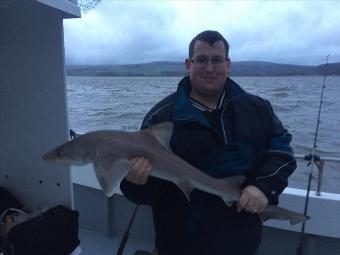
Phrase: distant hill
(165, 68)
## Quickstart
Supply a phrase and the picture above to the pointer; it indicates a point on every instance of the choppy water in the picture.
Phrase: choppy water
(121, 102)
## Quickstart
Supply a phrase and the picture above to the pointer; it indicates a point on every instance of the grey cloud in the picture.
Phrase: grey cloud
(144, 31)
(121, 33)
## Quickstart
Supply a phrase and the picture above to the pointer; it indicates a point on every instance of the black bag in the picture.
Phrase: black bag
(7, 200)
(55, 232)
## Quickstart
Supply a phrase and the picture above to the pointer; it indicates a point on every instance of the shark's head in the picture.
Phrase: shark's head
(70, 153)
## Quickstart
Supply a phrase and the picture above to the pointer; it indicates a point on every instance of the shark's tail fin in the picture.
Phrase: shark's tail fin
(301, 218)
(278, 213)
(298, 218)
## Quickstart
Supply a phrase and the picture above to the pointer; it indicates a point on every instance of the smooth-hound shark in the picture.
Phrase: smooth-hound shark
(110, 152)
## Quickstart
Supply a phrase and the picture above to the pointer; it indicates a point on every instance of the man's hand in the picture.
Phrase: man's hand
(252, 200)
(139, 171)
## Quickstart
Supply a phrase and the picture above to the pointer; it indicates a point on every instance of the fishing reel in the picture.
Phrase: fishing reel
(313, 158)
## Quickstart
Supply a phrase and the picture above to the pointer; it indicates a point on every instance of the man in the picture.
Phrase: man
(222, 130)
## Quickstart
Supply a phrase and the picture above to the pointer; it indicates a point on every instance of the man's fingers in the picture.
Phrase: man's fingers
(257, 201)
(133, 160)
(139, 170)
(145, 165)
(148, 167)
(244, 200)
(142, 173)
(133, 168)
(247, 202)
(251, 207)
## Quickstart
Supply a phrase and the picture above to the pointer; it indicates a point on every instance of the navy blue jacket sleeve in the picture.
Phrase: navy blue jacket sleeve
(278, 163)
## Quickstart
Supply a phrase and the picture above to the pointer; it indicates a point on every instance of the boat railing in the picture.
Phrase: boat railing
(320, 163)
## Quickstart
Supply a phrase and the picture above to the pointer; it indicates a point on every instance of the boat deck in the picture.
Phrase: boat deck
(93, 242)
(108, 219)
(275, 241)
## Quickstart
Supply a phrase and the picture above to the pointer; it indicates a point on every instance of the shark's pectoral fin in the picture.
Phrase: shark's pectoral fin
(228, 200)
(110, 173)
(185, 187)
(230, 188)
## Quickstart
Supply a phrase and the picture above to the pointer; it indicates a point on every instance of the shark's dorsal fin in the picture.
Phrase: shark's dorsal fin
(162, 131)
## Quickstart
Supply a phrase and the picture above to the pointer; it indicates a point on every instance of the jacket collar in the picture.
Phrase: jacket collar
(184, 109)
(204, 108)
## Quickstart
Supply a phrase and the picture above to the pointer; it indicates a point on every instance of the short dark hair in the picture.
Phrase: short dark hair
(210, 37)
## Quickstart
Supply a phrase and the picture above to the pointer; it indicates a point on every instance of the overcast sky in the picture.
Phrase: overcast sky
(120, 32)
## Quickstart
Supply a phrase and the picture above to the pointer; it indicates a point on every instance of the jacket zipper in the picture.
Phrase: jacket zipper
(222, 124)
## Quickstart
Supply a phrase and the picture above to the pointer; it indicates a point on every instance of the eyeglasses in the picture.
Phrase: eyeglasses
(203, 61)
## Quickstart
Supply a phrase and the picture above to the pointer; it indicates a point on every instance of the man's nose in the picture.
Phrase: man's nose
(209, 67)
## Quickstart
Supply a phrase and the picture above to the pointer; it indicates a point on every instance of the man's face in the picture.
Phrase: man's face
(208, 79)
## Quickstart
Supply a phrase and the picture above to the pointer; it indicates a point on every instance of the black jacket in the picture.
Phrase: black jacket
(245, 137)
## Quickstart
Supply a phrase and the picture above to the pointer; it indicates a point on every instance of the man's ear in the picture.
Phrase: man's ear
(228, 62)
(228, 65)
(187, 65)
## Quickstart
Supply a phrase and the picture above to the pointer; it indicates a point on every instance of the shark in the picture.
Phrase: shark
(110, 151)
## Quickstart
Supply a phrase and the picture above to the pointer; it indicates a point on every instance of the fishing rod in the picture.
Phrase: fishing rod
(127, 233)
(313, 159)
